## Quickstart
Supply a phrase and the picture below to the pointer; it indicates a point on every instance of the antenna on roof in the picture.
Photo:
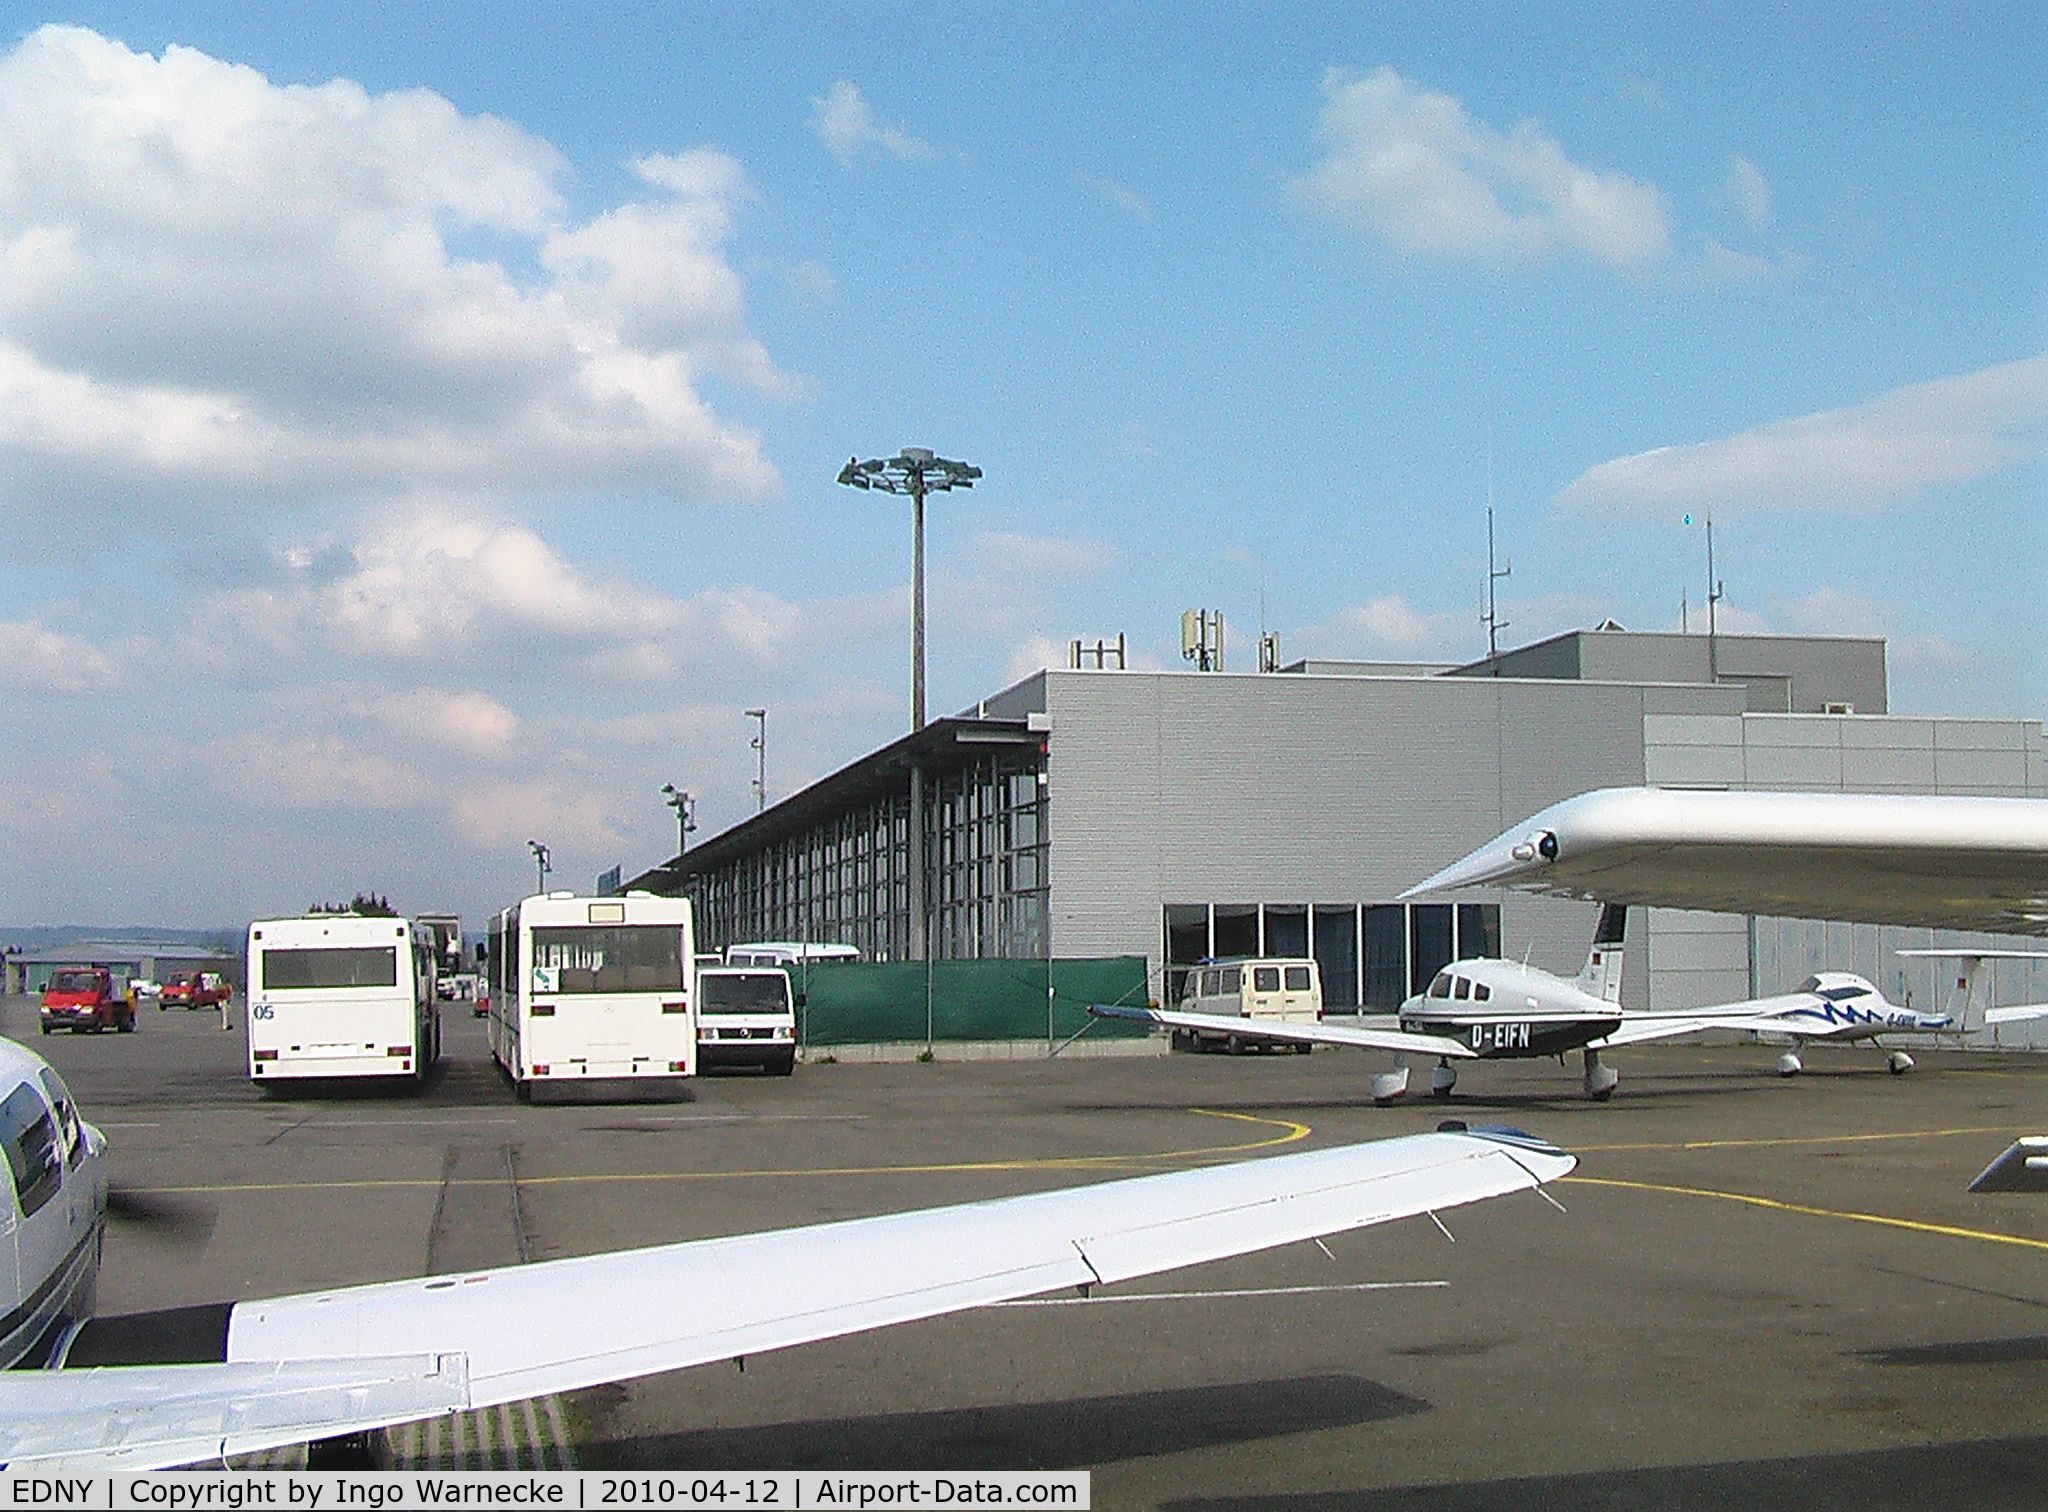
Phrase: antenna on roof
(1491, 618)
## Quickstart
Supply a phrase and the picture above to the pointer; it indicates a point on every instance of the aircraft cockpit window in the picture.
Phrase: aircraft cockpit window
(1265, 979)
(34, 1154)
(1841, 994)
(1481, 992)
(1441, 986)
(1461, 988)
(68, 1128)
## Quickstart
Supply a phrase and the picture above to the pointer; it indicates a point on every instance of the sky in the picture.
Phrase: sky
(419, 423)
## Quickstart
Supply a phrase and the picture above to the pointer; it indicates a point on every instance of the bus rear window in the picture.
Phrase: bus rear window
(763, 992)
(331, 966)
(608, 958)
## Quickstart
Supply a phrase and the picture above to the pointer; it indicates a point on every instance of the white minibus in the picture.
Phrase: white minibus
(341, 995)
(789, 953)
(591, 998)
(746, 1016)
(1289, 989)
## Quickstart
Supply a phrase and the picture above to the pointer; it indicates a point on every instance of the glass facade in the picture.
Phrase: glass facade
(846, 879)
(1405, 944)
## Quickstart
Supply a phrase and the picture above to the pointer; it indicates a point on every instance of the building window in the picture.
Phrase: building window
(1386, 955)
(1429, 942)
(1336, 953)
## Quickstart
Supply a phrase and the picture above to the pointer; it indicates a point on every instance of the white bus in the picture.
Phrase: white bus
(341, 995)
(789, 953)
(591, 997)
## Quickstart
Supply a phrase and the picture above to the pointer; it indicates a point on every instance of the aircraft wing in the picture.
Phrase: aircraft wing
(2022, 1168)
(1637, 1029)
(561, 1325)
(142, 1417)
(1947, 862)
(1400, 1041)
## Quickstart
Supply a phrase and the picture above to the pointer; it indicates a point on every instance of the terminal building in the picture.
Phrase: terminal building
(1180, 815)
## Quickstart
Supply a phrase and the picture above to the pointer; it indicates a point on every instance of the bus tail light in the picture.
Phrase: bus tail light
(543, 1010)
(679, 1067)
(398, 1050)
(266, 1055)
(540, 1070)
(705, 1032)
(675, 1007)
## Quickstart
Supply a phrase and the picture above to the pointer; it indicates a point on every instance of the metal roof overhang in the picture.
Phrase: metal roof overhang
(941, 747)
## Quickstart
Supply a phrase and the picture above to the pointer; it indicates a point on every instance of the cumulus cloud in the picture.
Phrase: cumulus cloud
(845, 125)
(36, 659)
(1856, 459)
(1412, 168)
(1386, 626)
(471, 724)
(213, 288)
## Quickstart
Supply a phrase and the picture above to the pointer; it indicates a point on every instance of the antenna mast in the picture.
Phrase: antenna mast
(1491, 618)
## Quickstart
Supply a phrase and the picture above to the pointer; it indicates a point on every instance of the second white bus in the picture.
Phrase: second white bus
(336, 996)
(590, 998)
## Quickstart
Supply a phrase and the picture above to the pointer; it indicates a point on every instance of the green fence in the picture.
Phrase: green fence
(965, 1000)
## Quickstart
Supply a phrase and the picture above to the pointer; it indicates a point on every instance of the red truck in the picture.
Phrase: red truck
(84, 997)
(194, 989)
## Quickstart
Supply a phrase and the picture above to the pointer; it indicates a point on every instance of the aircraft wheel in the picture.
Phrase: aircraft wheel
(1898, 1063)
(1790, 1065)
(1602, 1095)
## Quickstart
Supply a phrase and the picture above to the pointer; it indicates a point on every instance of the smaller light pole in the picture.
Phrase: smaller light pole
(685, 805)
(542, 865)
(760, 745)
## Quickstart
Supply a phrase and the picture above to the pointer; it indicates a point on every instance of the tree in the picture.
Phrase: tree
(368, 905)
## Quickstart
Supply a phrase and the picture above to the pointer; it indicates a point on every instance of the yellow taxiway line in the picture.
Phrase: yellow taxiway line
(1806, 1210)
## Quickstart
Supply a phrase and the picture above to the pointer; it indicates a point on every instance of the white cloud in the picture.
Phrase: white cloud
(1386, 626)
(1747, 189)
(812, 282)
(36, 659)
(845, 125)
(1856, 459)
(1120, 195)
(1726, 264)
(473, 724)
(1412, 168)
(214, 288)
(570, 814)
(326, 771)
(1830, 610)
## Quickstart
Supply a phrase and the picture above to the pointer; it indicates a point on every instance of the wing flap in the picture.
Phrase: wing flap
(142, 1417)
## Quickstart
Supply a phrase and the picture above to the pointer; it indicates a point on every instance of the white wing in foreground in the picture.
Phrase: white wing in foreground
(565, 1324)
(1400, 1041)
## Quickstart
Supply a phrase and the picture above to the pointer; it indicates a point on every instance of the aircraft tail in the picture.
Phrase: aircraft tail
(1969, 996)
(1602, 976)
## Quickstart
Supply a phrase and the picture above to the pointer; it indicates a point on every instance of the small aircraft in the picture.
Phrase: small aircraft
(1485, 1008)
(199, 1383)
(1839, 1005)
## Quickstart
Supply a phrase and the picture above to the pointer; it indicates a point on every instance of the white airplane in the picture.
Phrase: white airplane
(196, 1384)
(1485, 1008)
(1839, 1005)
(1947, 862)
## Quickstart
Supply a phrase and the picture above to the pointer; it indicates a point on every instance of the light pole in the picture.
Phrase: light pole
(542, 864)
(914, 471)
(685, 805)
(760, 745)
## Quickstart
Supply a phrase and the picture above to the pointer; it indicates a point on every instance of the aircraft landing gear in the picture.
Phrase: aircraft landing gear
(1600, 1080)
(1790, 1064)
(1388, 1085)
(1898, 1063)
(1442, 1080)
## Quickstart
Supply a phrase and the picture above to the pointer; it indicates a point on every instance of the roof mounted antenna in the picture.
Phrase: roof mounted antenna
(1491, 618)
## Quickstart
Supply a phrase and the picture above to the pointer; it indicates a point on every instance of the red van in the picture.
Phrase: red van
(83, 997)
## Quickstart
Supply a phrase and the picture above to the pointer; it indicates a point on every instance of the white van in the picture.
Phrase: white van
(746, 1016)
(789, 953)
(1286, 988)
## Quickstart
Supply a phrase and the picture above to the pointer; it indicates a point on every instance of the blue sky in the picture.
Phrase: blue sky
(421, 420)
